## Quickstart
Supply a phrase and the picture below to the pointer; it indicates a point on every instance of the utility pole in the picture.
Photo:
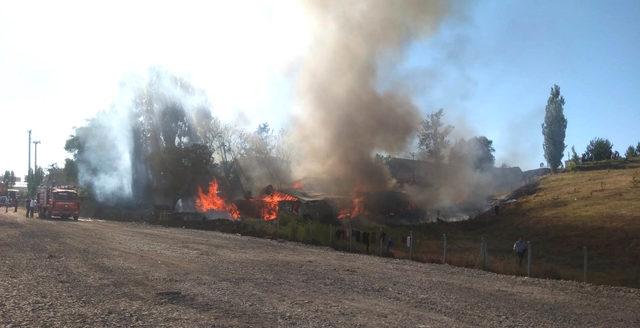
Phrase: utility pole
(29, 145)
(35, 158)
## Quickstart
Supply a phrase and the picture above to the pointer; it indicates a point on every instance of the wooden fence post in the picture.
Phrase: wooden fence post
(584, 268)
(444, 248)
(379, 236)
(483, 253)
(411, 245)
(350, 234)
(528, 259)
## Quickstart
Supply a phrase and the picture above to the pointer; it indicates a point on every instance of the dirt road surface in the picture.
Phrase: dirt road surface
(95, 273)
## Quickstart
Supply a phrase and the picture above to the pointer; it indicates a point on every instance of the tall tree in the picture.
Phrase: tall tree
(484, 156)
(34, 180)
(433, 134)
(70, 171)
(554, 129)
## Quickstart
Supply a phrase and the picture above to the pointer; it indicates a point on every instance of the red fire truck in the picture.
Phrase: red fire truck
(60, 201)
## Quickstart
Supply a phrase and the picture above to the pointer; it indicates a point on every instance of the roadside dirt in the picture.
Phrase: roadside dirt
(96, 273)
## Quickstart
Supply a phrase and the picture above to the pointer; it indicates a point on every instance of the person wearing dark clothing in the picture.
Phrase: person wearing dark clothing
(390, 245)
(520, 247)
(365, 240)
(15, 205)
(27, 206)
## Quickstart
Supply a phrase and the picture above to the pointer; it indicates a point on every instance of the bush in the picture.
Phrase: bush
(599, 149)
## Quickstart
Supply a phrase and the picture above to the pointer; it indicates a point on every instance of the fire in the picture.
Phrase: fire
(270, 204)
(357, 208)
(211, 201)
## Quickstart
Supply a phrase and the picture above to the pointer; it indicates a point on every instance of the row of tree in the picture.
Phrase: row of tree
(600, 149)
(554, 132)
(9, 179)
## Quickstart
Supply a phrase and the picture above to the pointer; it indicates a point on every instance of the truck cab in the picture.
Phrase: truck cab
(59, 202)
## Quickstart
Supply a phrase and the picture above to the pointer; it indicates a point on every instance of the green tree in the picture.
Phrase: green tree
(9, 179)
(433, 134)
(631, 152)
(34, 180)
(599, 149)
(483, 152)
(574, 156)
(70, 171)
(554, 129)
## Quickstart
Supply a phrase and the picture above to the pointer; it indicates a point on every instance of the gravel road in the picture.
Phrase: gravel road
(110, 274)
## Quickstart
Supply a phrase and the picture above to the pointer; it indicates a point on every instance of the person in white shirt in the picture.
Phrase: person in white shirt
(520, 247)
(34, 206)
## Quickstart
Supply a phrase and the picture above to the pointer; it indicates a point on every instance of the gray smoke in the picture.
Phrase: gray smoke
(345, 117)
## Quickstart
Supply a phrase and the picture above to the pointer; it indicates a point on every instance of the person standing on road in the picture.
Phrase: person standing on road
(33, 205)
(520, 247)
(27, 206)
(15, 205)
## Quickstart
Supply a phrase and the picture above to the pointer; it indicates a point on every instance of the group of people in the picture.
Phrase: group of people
(31, 205)
(8, 203)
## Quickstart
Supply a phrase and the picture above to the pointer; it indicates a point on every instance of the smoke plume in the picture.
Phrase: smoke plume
(346, 118)
(125, 152)
(104, 164)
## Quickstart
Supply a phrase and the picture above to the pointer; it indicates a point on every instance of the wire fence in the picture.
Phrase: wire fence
(480, 252)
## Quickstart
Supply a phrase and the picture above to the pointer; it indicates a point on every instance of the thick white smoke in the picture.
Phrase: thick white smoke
(104, 164)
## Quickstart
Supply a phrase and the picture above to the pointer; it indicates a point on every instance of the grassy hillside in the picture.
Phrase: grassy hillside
(562, 213)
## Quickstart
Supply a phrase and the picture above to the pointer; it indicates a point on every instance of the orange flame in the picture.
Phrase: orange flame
(357, 208)
(270, 204)
(211, 201)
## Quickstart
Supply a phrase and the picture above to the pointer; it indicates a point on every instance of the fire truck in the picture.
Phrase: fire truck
(59, 201)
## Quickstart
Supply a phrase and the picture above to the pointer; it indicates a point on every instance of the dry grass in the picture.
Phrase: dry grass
(596, 209)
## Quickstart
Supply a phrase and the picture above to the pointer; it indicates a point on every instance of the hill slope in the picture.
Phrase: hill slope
(560, 214)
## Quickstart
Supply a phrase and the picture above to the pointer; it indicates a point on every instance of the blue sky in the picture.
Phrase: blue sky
(490, 67)
(495, 67)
